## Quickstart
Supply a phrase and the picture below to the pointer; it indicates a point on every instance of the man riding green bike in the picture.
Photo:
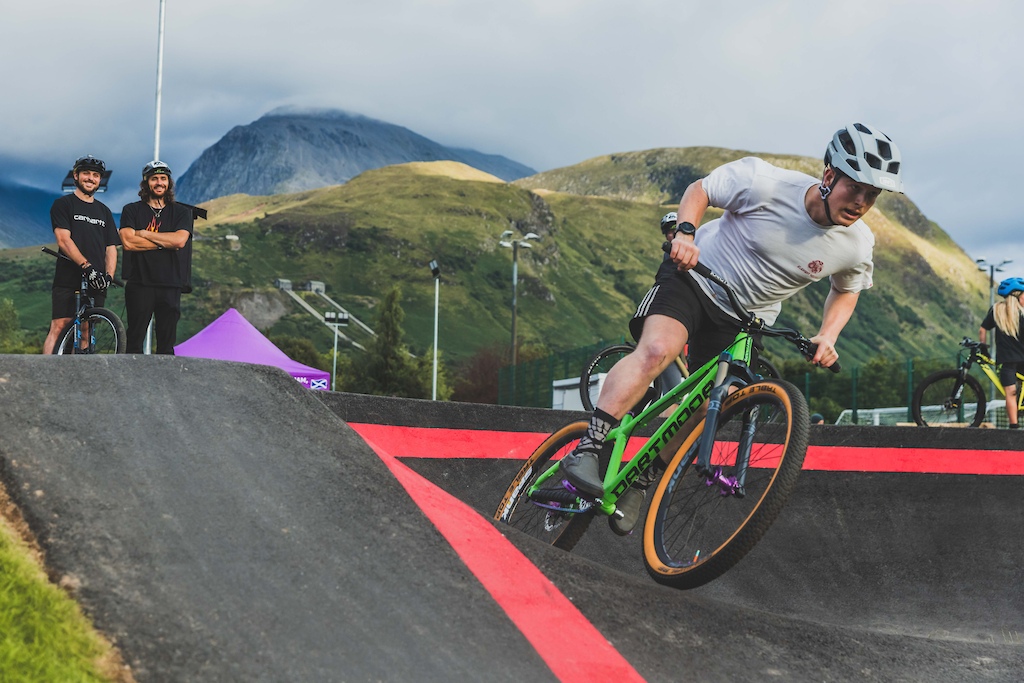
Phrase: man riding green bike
(781, 230)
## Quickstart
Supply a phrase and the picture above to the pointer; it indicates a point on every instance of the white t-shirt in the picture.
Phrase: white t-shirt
(767, 246)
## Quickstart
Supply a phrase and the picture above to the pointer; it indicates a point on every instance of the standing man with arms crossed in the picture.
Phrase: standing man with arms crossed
(156, 234)
(781, 231)
(86, 234)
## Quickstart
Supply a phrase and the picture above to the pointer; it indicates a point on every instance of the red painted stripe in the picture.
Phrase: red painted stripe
(575, 650)
(423, 442)
(915, 460)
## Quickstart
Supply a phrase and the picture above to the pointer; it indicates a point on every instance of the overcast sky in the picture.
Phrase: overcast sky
(547, 83)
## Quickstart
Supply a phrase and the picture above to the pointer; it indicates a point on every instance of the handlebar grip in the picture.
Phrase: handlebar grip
(700, 268)
(51, 252)
(835, 368)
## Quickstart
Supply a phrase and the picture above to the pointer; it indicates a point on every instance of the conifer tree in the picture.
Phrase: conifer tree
(387, 368)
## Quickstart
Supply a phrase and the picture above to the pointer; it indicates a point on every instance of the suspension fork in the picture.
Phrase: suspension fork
(746, 443)
(77, 341)
(718, 394)
(729, 485)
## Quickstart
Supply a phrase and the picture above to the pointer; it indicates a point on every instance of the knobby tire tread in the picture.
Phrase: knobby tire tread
(121, 339)
(757, 521)
(560, 441)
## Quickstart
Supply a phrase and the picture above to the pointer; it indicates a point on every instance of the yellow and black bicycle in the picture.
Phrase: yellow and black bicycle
(956, 397)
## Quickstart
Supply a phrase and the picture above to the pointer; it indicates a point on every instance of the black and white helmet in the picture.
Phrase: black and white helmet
(668, 222)
(866, 155)
(155, 167)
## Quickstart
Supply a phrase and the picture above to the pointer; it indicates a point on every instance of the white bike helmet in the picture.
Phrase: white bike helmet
(668, 222)
(866, 155)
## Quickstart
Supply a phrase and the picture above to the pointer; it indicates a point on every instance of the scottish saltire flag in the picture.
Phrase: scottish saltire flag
(320, 384)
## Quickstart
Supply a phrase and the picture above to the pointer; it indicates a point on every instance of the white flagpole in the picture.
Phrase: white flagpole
(156, 135)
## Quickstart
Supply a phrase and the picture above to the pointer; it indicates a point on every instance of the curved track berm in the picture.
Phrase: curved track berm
(225, 524)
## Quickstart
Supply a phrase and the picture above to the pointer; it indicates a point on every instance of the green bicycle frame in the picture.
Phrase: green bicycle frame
(691, 394)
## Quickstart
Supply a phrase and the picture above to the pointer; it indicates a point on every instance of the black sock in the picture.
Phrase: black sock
(597, 431)
(594, 440)
(1014, 426)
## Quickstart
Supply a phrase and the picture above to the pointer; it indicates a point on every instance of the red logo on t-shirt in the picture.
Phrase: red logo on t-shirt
(815, 267)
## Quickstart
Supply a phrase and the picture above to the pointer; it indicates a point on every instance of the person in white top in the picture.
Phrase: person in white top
(781, 230)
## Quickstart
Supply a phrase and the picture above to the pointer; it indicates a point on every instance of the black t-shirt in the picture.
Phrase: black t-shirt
(1008, 349)
(92, 229)
(158, 267)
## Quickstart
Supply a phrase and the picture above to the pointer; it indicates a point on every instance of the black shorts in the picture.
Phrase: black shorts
(62, 301)
(1008, 373)
(676, 295)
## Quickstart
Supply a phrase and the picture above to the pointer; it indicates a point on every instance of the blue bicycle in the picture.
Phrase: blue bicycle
(93, 330)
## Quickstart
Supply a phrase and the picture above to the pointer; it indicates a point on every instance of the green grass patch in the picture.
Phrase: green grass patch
(43, 634)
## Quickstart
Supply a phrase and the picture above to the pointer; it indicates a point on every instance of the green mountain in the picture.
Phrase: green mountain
(598, 250)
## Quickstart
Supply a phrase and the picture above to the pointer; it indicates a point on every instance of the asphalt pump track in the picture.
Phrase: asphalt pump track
(221, 523)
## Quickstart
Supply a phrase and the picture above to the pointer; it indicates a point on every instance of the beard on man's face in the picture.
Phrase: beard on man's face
(83, 190)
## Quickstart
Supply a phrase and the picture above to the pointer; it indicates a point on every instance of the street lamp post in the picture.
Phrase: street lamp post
(514, 244)
(992, 269)
(334, 319)
(148, 345)
(435, 270)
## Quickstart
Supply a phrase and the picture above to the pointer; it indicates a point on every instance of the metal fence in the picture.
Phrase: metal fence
(531, 382)
(877, 392)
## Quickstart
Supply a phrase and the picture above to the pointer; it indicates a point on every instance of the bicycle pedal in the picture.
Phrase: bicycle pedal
(567, 485)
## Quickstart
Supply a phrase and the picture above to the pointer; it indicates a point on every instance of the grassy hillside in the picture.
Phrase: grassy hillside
(598, 251)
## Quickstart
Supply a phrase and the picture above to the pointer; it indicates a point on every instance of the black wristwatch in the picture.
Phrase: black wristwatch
(686, 228)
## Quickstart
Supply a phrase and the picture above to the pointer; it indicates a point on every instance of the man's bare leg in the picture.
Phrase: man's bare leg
(662, 340)
(57, 326)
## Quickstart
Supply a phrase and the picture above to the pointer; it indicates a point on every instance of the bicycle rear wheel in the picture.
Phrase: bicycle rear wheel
(764, 367)
(942, 398)
(697, 529)
(104, 329)
(560, 528)
(600, 364)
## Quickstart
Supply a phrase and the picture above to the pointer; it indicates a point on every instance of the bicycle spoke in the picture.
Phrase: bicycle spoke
(560, 524)
(702, 524)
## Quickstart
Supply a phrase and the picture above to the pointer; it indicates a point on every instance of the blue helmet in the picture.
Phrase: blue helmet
(1011, 285)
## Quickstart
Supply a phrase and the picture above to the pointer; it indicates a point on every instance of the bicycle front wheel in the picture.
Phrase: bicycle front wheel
(700, 525)
(102, 332)
(599, 365)
(563, 527)
(942, 398)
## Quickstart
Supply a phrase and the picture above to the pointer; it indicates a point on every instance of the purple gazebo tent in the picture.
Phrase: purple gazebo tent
(232, 337)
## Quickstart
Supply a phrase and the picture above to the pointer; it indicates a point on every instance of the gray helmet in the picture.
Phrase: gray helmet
(866, 155)
(155, 167)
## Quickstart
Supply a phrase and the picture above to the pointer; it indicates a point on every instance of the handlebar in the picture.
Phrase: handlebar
(51, 252)
(750, 321)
